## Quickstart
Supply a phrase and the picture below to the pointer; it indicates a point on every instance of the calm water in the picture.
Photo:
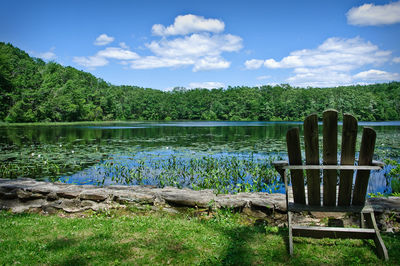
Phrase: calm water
(78, 153)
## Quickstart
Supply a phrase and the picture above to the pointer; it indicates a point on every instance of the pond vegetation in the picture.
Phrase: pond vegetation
(228, 157)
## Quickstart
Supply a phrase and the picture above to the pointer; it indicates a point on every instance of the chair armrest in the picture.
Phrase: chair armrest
(280, 164)
(332, 167)
(378, 163)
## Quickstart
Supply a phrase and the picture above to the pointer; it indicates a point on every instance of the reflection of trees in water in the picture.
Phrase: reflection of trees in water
(93, 142)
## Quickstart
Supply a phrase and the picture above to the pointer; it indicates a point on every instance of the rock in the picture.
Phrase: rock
(17, 206)
(95, 194)
(170, 210)
(19, 195)
(49, 209)
(186, 197)
(87, 203)
(335, 215)
(69, 205)
(230, 201)
(254, 213)
(8, 192)
(382, 204)
(43, 189)
(300, 219)
(28, 195)
(68, 194)
(126, 197)
(259, 199)
(9, 195)
(52, 196)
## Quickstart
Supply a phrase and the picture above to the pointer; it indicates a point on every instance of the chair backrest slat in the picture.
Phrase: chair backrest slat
(294, 154)
(349, 138)
(347, 195)
(329, 132)
(312, 158)
(365, 158)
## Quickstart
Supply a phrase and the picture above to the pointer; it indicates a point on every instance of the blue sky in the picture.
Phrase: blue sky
(165, 44)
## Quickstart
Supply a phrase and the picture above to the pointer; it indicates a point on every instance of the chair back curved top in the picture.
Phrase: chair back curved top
(346, 194)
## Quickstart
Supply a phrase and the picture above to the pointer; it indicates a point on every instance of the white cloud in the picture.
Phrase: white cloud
(99, 59)
(202, 50)
(208, 63)
(253, 63)
(396, 60)
(103, 39)
(334, 52)
(201, 47)
(374, 74)
(118, 53)
(331, 63)
(196, 45)
(206, 85)
(319, 77)
(373, 15)
(186, 24)
(90, 61)
(123, 45)
(150, 62)
(263, 77)
(49, 55)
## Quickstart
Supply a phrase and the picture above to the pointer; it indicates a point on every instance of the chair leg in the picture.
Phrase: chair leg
(362, 221)
(290, 233)
(380, 246)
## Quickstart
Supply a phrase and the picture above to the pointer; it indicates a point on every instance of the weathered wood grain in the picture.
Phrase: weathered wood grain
(366, 154)
(312, 158)
(329, 156)
(294, 153)
(333, 167)
(349, 137)
(333, 232)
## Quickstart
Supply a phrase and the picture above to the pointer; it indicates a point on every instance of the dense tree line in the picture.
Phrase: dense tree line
(34, 91)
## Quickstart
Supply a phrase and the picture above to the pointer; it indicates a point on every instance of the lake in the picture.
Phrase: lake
(226, 156)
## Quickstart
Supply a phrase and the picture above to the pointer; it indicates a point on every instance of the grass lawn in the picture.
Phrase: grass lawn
(146, 237)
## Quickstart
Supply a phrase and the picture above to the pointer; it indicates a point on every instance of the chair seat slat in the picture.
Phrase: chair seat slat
(333, 232)
(352, 208)
(333, 167)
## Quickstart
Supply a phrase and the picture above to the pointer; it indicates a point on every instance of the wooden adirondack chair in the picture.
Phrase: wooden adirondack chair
(348, 199)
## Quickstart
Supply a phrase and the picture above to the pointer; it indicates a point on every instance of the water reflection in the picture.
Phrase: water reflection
(92, 143)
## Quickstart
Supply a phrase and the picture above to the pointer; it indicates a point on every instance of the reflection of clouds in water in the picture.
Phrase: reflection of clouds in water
(78, 148)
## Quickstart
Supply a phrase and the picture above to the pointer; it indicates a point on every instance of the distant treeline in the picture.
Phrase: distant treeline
(34, 91)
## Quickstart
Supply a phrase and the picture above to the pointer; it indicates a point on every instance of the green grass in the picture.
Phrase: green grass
(125, 237)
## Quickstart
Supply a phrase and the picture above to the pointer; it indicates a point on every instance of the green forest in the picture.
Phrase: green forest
(32, 90)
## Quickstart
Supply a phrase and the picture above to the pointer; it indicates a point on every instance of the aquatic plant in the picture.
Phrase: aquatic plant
(222, 173)
(394, 175)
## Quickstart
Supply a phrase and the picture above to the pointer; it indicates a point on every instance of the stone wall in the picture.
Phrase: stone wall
(21, 195)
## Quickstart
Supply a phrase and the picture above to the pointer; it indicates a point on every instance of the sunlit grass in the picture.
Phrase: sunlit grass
(125, 237)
